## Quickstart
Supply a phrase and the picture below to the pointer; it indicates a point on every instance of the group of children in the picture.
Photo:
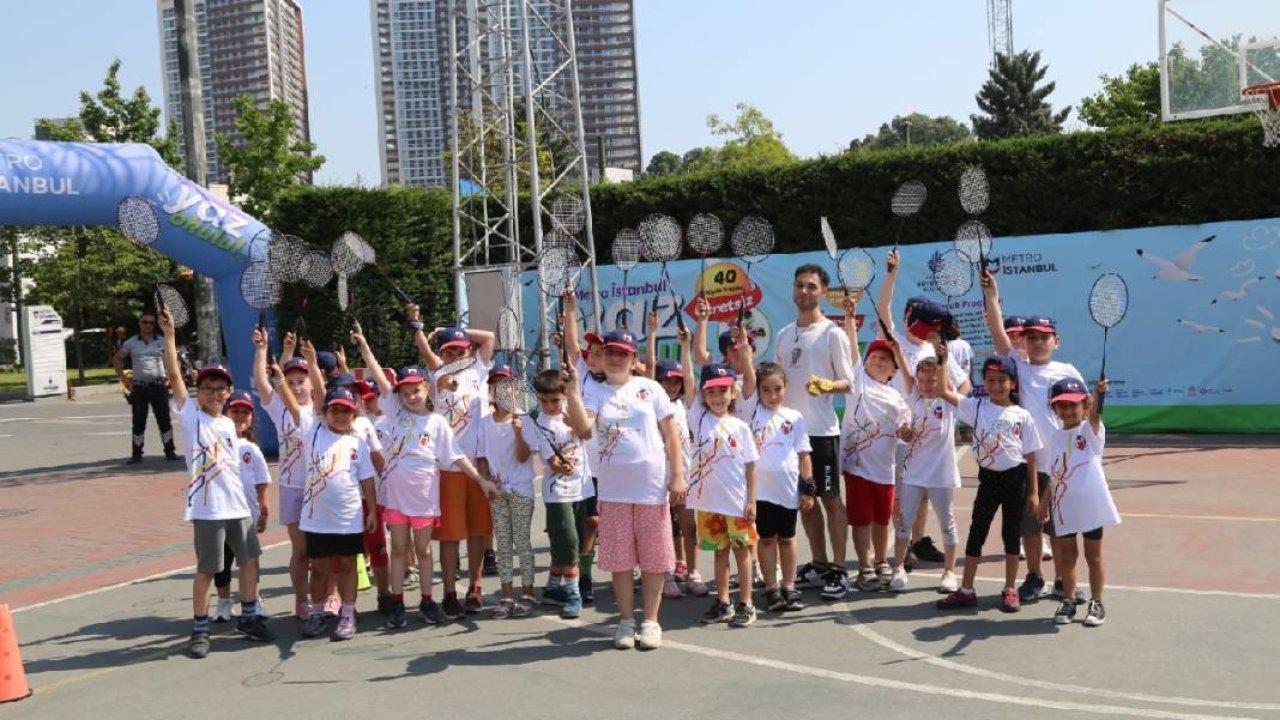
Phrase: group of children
(644, 460)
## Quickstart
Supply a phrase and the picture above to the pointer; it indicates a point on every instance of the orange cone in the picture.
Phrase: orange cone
(13, 680)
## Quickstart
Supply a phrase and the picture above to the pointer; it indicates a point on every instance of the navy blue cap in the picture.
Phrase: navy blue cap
(452, 337)
(915, 302)
(238, 397)
(213, 370)
(410, 374)
(340, 396)
(620, 339)
(1068, 390)
(296, 363)
(717, 375)
(667, 368)
(726, 340)
(1040, 323)
(327, 360)
(1014, 323)
(1003, 363)
(343, 380)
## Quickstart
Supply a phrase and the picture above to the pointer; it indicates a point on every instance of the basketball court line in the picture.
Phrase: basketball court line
(1172, 516)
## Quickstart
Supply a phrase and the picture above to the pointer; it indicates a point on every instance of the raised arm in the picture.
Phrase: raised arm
(948, 391)
(1095, 408)
(318, 388)
(884, 301)
(749, 370)
(995, 319)
(172, 368)
(575, 412)
(371, 363)
(261, 382)
(288, 347)
(702, 317)
(569, 326)
(286, 396)
(651, 346)
(686, 366)
(484, 342)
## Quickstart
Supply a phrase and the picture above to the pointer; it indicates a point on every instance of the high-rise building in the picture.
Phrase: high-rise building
(252, 47)
(411, 61)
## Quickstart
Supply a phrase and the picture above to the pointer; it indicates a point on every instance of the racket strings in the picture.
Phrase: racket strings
(973, 238)
(953, 273)
(752, 239)
(828, 238)
(568, 215)
(285, 256)
(1108, 300)
(137, 220)
(660, 238)
(909, 198)
(975, 192)
(315, 269)
(856, 270)
(167, 297)
(626, 249)
(350, 254)
(515, 395)
(705, 234)
(508, 330)
(259, 287)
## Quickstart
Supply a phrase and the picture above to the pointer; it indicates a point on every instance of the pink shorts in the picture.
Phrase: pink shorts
(392, 516)
(635, 535)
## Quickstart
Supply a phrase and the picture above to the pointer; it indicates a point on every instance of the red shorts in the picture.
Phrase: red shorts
(866, 502)
(375, 543)
(634, 535)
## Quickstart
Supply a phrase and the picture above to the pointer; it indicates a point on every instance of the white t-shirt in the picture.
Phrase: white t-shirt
(335, 466)
(472, 381)
(931, 457)
(681, 413)
(253, 472)
(557, 487)
(1002, 436)
(873, 413)
(780, 436)
(629, 457)
(1034, 382)
(367, 431)
(496, 442)
(214, 491)
(1081, 500)
(915, 352)
(962, 353)
(820, 349)
(293, 472)
(722, 447)
(417, 447)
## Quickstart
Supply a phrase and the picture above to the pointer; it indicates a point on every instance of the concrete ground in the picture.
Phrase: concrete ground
(1191, 625)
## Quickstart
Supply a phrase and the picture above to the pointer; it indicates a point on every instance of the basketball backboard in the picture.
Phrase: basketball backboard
(1210, 50)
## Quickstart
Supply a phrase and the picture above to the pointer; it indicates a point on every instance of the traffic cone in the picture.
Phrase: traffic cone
(13, 680)
(362, 583)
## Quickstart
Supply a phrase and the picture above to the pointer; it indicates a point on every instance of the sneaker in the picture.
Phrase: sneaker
(810, 575)
(1066, 612)
(650, 637)
(867, 581)
(412, 577)
(899, 581)
(1097, 614)
(314, 626)
(927, 551)
(794, 602)
(198, 645)
(1032, 588)
(223, 613)
(884, 573)
(624, 638)
(744, 616)
(774, 601)
(345, 629)
(301, 609)
(837, 584)
(384, 604)
(962, 598)
(572, 608)
(395, 616)
(670, 589)
(587, 590)
(1081, 597)
(170, 455)
(557, 595)
(695, 585)
(910, 561)
(253, 628)
(261, 610)
(1009, 600)
(718, 612)
(332, 605)
(452, 608)
(950, 583)
(681, 572)
(431, 613)
(474, 602)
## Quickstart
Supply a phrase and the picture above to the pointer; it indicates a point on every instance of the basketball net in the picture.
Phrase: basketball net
(1265, 100)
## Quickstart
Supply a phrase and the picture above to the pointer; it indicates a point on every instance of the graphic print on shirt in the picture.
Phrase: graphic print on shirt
(930, 416)
(323, 465)
(212, 455)
(1061, 471)
(457, 410)
(774, 431)
(401, 443)
(611, 433)
(990, 442)
(863, 431)
(560, 479)
(707, 453)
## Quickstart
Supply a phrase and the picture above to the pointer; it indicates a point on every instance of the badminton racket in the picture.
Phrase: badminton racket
(975, 193)
(516, 396)
(856, 270)
(705, 235)
(138, 221)
(973, 238)
(168, 298)
(907, 201)
(568, 214)
(316, 270)
(1108, 304)
(752, 241)
(660, 240)
(285, 257)
(953, 274)
(626, 253)
(259, 289)
(558, 274)
(352, 253)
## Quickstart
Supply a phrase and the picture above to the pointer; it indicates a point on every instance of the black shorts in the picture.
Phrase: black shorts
(775, 521)
(323, 545)
(589, 504)
(1094, 534)
(825, 456)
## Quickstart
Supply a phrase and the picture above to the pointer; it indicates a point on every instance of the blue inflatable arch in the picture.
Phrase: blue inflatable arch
(58, 183)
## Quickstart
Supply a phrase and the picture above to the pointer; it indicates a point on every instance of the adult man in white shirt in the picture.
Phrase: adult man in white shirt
(148, 385)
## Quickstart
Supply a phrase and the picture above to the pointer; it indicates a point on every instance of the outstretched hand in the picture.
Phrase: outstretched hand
(891, 261)
(165, 320)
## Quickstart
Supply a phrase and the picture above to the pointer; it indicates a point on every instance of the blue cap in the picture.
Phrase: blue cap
(1040, 323)
(726, 340)
(1014, 323)
(1003, 363)
(1068, 390)
(327, 360)
(340, 396)
(343, 380)
(667, 368)
(620, 339)
(296, 363)
(410, 374)
(452, 337)
(238, 397)
(717, 375)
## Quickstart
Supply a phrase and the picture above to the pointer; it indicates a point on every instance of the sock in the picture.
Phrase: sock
(426, 598)
(248, 608)
(571, 586)
(397, 597)
(348, 610)
(201, 625)
(553, 582)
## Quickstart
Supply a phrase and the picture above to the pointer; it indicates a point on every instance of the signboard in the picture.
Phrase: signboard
(45, 352)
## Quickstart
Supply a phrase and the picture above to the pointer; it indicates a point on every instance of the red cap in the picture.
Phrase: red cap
(883, 346)
(593, 338)
(213, 370)
(921, 330)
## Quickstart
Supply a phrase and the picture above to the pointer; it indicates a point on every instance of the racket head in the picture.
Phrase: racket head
(285, 258)
(316, 270)
(752, 239)
(975, 192)
(626, 248)
(558, 271)
(660, 238)
(462, 364)
(258, 286)
(973, 238)
(350, 254)
(705, 234)
(908, 198)
(137, 219)
(856, 269)
(1108, 300)
(953, 273)
(828, 238)
(168, 297)
(515, 395)
(557, 238)
(509, 330)
(568, 214)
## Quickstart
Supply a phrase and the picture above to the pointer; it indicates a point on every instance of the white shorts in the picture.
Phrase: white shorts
(290, 505)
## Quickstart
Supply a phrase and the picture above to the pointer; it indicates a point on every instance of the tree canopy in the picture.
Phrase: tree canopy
(265, 157)
(1128, 99)
(1013, 99)
(914, 129)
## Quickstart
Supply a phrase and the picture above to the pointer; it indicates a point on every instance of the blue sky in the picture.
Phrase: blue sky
(825, 71)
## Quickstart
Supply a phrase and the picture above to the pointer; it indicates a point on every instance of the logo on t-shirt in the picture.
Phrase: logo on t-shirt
(795, 355)
(937, 412)
(786, 427)
(1080, 442)
(643, 394)
(354, 455)
(246, 457)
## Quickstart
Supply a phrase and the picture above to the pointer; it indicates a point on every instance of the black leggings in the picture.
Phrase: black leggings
(1005, 490)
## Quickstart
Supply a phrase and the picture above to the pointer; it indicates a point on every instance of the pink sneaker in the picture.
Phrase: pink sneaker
(332, 605)
(682, 572)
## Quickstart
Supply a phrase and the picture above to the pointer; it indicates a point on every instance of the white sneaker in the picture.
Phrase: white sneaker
(262, 611)
(624, 638)
(650, 635)
(950, 583)
(899, 581)
(223, 613)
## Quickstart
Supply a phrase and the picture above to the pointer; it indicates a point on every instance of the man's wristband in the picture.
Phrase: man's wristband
(808, 487)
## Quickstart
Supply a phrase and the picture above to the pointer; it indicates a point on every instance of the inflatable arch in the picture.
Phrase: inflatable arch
(59, 183)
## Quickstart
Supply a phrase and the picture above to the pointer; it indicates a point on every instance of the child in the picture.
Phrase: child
(566, 489)
(503, 458)
(292, 470)
(635, 436)
(875, 414)
(722, 489)
(216, 506)
(1081, 500)
(1037, 372)
(255, 477)
(929, 472)
(339, 506)
(784, 479)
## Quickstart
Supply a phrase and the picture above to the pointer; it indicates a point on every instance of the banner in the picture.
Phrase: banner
(1196, 352)
(43, 352)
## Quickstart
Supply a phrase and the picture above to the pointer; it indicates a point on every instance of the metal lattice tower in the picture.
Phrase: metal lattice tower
(1000, 27)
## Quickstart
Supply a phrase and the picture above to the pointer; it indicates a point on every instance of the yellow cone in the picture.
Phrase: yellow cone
(362, 582)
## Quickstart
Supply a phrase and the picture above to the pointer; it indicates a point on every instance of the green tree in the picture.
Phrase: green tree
(663, 163)
(914, 129)
(1128, 99)
(1013, 100)
(264, 158)
(752, 141)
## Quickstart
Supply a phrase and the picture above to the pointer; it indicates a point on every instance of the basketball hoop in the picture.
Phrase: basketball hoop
(1265, 101)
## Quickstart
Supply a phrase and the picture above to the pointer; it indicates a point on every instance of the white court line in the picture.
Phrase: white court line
(1178, 591)
(1207, 518)
(848, 618)
(107, 432)
(886, 683)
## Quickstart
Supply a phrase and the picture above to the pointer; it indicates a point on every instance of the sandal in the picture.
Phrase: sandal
(524, 607)
(504, 610)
